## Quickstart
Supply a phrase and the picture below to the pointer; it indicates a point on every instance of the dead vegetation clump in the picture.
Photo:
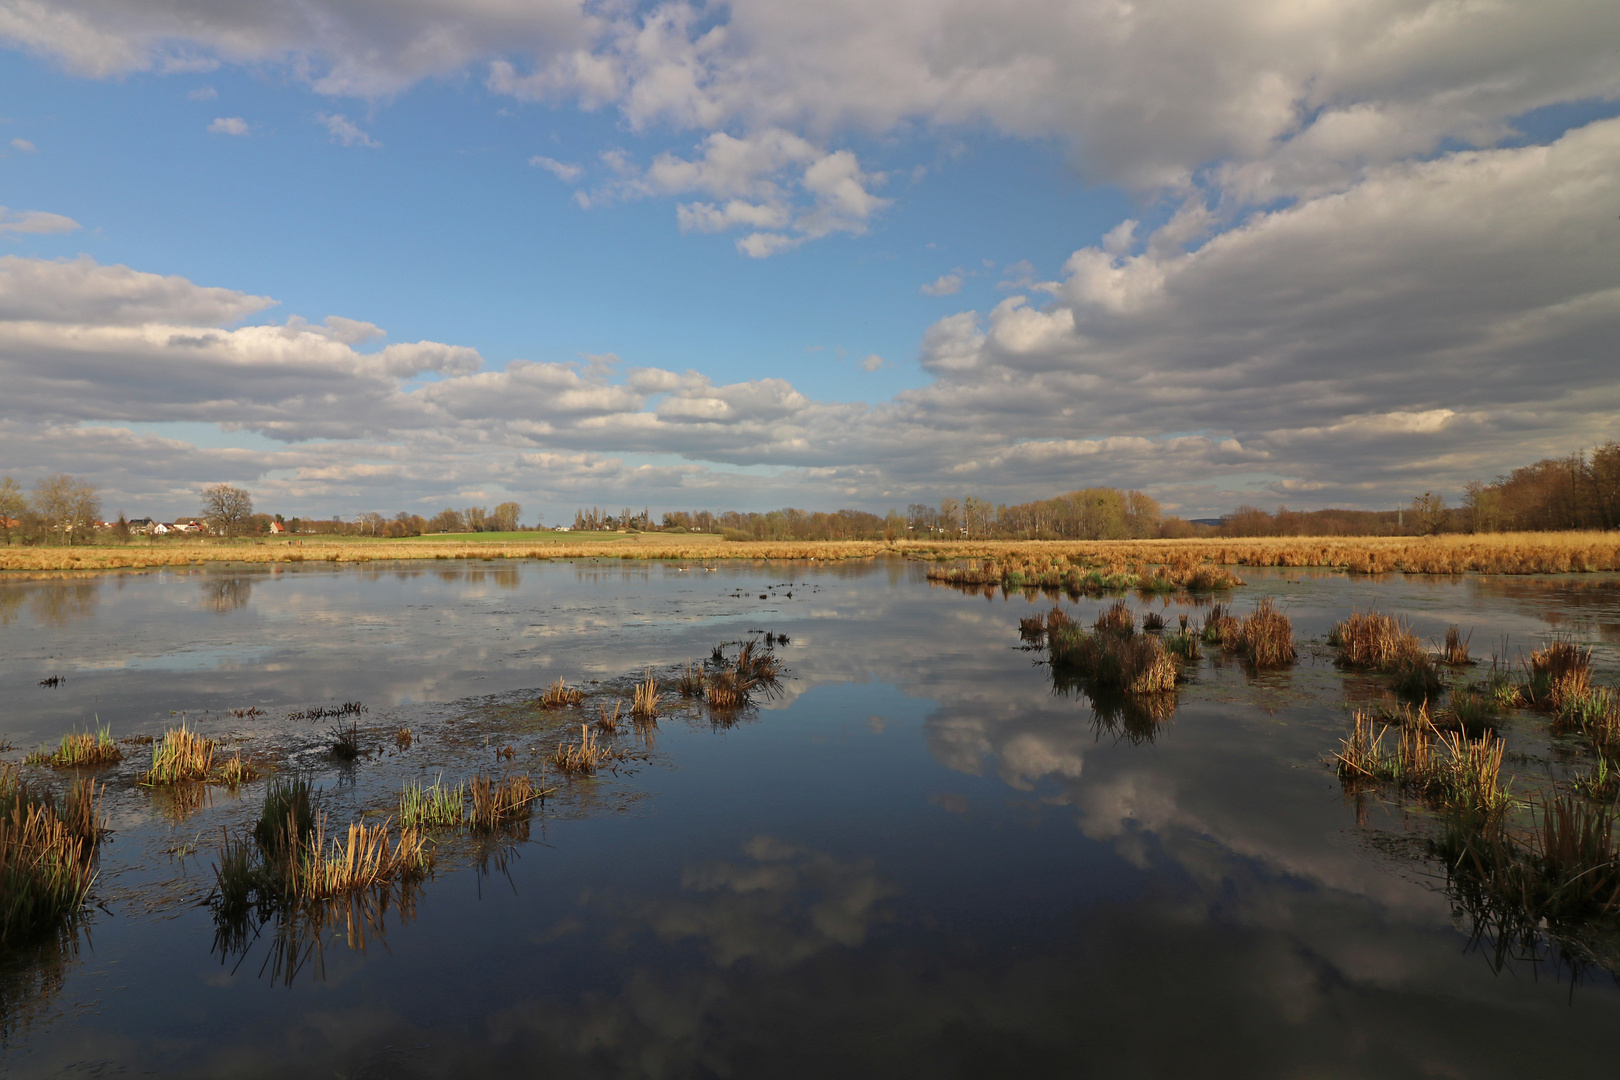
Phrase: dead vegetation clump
(559, 695)
(584, 757)
(1264, 638)
(1374, 641)
(689, 683)
(1113, 657)
(497, 804)
(645, 705)
(1455, 649)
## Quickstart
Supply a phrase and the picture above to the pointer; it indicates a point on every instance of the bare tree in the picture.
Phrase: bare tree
(67, 507)
(227, 509)
(505, 518)
(12, 504)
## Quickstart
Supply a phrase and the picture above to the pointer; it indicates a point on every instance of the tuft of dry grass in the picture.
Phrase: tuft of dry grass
(584, 757)
(1113, 657)
(1374, 641)
(1559, 672)
(1265, 638)
(179, 756)
(47, 855)
(609, 722)
(495, 805)
(1445, 768)
(360, 858)
(403, 738)
(1219, 627)
(690, 681)
(1455, 650)
(645, 705)
(238, 770)
(559, 695)
(80, 750)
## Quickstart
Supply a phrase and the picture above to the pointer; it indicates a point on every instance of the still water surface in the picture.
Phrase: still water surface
(918, 860)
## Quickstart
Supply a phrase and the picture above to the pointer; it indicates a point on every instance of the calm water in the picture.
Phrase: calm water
(917, 860)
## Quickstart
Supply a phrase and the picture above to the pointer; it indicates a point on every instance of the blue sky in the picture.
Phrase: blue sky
(805, 241)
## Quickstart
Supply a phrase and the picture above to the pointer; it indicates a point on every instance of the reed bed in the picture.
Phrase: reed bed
(560, 695)
(1485, 553)
(180, 756)
(1071, 574)
(48, 849)
(80, 750)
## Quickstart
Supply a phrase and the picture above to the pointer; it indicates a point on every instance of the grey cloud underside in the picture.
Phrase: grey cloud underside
(1431, 323)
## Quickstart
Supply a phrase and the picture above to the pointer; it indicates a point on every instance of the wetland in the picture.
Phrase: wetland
(904, 837)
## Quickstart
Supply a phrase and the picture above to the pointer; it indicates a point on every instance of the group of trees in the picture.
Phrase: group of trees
(62, 509)
(1580, 491)
(594, 520)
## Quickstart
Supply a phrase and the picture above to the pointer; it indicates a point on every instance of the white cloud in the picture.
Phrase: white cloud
(561, 170)
(203, 93)
(228, 125)
(344, 130)
(872, 362)
(944, 285)
(1445, 319)
(34, 221)
(24, 145)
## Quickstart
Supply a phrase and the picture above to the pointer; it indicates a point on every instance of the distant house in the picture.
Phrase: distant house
(140, 525)
(277, 528)
(158, 528)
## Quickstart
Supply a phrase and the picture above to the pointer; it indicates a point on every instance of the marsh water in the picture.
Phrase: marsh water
(917, 859)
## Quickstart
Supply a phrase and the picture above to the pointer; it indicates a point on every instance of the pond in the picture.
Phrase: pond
(915, 858)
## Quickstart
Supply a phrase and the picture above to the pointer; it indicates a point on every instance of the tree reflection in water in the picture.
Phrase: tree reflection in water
(221, 595)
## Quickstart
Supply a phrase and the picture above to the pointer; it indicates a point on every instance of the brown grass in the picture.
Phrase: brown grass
(360, 858)
(1265, 637)
(1493, 553)
(584, 757)
(47, 855)
(1113, 657)
(1455, 650)
(645, 706)
(498, 804)
(609, 722)
(558, 696)
(690, 681)
(1374, 641)
(238, 770)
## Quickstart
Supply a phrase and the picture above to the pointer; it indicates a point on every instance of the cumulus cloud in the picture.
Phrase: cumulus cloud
(24, 146)
(228, 125)
(344, 130)
(1432, 322)
(34, 221)
(561, 170)
(944, 285)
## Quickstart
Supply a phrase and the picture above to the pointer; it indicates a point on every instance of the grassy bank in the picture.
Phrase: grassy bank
(1496, 553)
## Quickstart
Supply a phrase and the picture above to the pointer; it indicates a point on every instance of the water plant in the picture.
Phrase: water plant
(403, 738)
(434, 806)
(345, 744)
(689, 683)
(1113, 656)
(645, 705)
(237, 770)
(1557, 673)
(181, 755)
(47, 855)
(497, 804)
(1373, 641)
(584, 757)
(559, 695)
(1455, 649)
(80, 749)
(609, 722)
(1264, 638)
